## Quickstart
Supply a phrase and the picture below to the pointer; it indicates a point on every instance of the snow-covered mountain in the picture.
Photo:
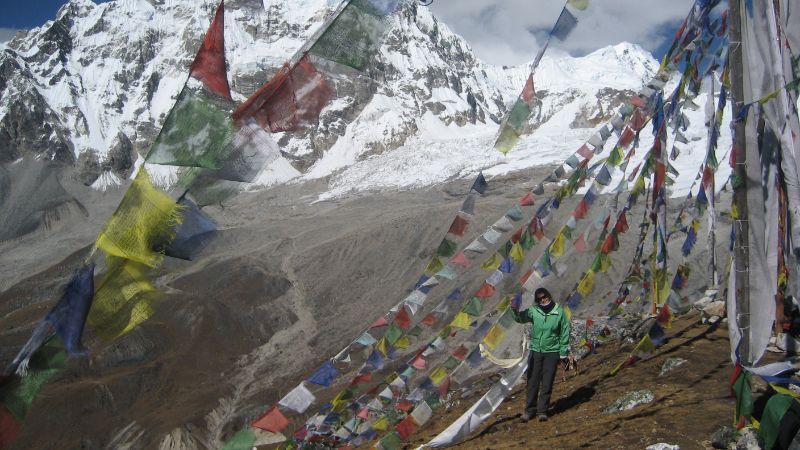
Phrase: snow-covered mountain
(92, 87)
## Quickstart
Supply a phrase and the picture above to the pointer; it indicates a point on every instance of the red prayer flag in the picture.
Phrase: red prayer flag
(9, 428)
(580, 210)
(429, 320)
(379, 322)
(293, 97)
(527, 200)
(638, 102)
(444, 387)
(402, 319)
(536, 228)
(209, 64)
(517, 235)
(634, 172)
(405, 405)
(626, 137)
(580, 244)
(273, 420)
(664, 317)
(622, 224)
(363, 413)
(406, 428)
(608, 244)
(418, 363)
(460, 353)
(362, 378)
(461, 260)
(637, 120)
(585, 152)
(660, 175)
(487, 290)
(589, 322)
(708, 175)
(528, 92)
(459, 226)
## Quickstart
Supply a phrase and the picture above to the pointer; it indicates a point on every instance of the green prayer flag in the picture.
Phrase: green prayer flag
(451, 363)
(506, 140)
(518, 116)
(447, 248)
(393, 333)
(416, 331)
(243, 440)
(527, 241)
(473, 307)
(195, 133)
(775, 409)
(743, 390)
(354, 37)
(18, 394)
(507, 319)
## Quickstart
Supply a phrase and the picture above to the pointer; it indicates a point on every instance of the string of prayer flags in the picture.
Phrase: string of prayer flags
(514, 123)
(68, 316)
(293, 98)
(144, 218)
(356, 34)
(124, 299)
(324, 375)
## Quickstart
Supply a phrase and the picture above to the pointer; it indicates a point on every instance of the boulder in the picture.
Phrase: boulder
(663, 446)
(631, 400)
(747, 440)
(715, 308)
(723, 437)
(670, 364)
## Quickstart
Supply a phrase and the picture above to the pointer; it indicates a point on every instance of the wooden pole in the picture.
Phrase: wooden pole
(741, 227)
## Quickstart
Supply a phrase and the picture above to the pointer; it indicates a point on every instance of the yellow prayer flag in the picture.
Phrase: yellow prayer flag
(492, 263)
(605, 262)
(403, 342)
(124, 299)
(568, 312)
(438, 375)
(461, 320)
(382, 424)
(382, 347)
(645, 346)
(578, 4)
(586, 285)
(517, 253)
(339, 402)
(494, 336)
(504, 302)
(434, 265)
(638, 187)
(557, 247)
(145, 218)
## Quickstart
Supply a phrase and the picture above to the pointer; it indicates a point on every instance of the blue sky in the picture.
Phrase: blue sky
(500, 31)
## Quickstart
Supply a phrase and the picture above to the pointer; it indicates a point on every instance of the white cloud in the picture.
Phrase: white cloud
(510, 31)
(7, 33)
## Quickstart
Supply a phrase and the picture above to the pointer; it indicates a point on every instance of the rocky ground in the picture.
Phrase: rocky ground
(288, 283)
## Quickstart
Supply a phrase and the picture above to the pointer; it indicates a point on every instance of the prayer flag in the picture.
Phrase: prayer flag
(480, 184)
(461, 260)
(585, 152)
(491, 236)
(528, 93)
(375, 360)
(402, 318)
(494, 337)
(9, 428)
(68, 316)
(487, 290)
(124, 299)
(18, 394)
(243, 440)
(557, 247)
(438, 375)
(356, 34)
(455, 295)
(273, 421)
(447, 272)
(298, 399)
(143, 219)
(447, 248)
(473, 307)
(393, 333)
(564, 25)
(461, 320)
(468, 206)
(434, 265)
(604, 176)
(324, 375)
(580, 244)
(515, 213)
(626, 137)
(527, 200)
(406, 428)
(402, 343)
(517, 253)
(586, 285)
(505, 267)
(209, 63)
(379, 322)
(382, 346)
(503, 224)
(476, 246)
(526, 241)
(421, 414)
(507, 139)
(418, 362)
(518, 116)
(194, 233)
(492, 263)
(459, 226)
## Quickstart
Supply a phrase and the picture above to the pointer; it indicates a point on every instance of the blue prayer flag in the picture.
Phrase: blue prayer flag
(455, 295)
(688, 244)
(506, 266)
(193, 234)
(69, 315)
(564, 25)
(324, 375)
(375, 360)
(480, 184)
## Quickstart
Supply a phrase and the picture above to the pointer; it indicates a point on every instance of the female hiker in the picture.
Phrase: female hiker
(549, 344)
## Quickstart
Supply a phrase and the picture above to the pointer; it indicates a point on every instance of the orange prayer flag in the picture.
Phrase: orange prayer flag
(272, 420)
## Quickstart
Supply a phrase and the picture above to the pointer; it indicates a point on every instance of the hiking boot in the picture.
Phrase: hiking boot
(526, 417)
(542, 417)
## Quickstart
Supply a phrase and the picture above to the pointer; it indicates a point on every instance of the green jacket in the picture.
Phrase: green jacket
(550, 331)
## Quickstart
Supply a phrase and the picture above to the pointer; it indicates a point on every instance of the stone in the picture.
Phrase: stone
(747, 440)
(715, 308)
(723, 437)
(670, 364)
(702, 303)
(630, 400)
(663, 446)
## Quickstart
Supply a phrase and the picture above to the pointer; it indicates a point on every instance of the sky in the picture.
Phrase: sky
(507, 32)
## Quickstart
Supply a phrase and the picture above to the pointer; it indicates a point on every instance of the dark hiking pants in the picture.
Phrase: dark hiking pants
(541, 373)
